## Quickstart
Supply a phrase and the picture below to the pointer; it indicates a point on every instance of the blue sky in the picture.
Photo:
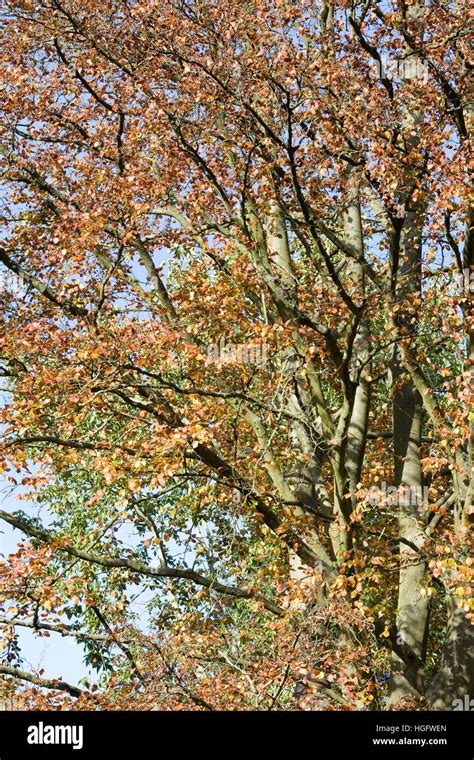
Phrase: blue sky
(60, 657)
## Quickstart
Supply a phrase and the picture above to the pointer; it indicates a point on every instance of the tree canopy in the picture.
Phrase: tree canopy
(237, 352)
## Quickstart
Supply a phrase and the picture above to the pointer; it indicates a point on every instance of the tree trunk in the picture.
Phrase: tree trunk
(413, 604)
(452, 688)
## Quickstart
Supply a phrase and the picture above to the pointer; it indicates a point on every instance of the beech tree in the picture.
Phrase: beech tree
(237, 350)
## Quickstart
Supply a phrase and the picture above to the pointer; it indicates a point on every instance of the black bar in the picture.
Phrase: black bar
(117, 735)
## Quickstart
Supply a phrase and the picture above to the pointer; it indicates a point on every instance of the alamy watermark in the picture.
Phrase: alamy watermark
(466, 704)
(11, 704)
(412, 498)
(240, 353)
(463, 282)
(48, 734)
(400, 69)
(12, 283)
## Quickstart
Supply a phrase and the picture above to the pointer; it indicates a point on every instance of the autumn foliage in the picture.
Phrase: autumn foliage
(236, 351)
